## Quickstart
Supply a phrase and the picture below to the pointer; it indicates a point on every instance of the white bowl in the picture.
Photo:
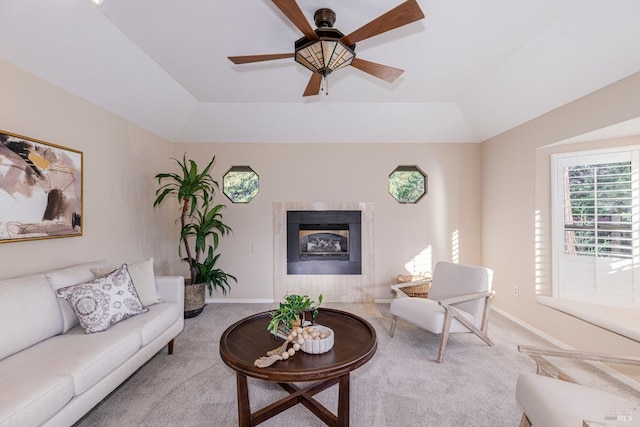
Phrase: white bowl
(319, 346)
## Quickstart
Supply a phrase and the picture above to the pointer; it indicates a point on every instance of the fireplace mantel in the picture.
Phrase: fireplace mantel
(334, 288)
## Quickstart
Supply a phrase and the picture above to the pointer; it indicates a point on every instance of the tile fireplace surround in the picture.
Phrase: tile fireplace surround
(334, 288)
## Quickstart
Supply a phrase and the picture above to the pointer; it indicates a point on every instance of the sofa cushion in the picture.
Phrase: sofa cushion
(143, 279)
(85, 358)
(29, 313)
(71, 276)
(29, 400)
(152, 324)
(550, 402)
(104, 301)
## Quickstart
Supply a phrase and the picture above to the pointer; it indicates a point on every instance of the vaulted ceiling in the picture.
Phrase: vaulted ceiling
(473, 69)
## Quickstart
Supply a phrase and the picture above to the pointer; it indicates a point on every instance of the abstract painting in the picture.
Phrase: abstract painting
(40, 189)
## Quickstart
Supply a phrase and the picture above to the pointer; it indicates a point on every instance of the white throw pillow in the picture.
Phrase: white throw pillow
(104, 301)
(68, 276)
(143, 279)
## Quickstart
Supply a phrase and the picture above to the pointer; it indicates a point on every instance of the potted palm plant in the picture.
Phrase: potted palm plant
(200, 229)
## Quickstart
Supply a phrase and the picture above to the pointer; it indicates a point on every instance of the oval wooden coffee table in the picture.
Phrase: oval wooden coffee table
(248, 339)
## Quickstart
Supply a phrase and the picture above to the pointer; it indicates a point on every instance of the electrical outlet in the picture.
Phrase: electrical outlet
(516, 291)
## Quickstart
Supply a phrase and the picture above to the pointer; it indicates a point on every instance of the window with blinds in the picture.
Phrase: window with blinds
(597, 210)
(595, 207)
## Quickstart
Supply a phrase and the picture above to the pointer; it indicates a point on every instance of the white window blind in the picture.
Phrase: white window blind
(595, 227)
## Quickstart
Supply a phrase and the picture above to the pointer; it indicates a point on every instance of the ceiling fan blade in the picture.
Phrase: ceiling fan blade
(313, 87)
(291, 9)
(384, 72)
(403, 14)
(257, 58)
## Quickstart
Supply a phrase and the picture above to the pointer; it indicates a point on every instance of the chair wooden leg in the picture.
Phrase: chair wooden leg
(444, 336)
(483, 336)
(393, 325)
(170, 347)
(524, 421)
(484, 326)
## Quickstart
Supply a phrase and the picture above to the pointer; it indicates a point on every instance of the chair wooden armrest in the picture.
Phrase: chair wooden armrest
(465, 298)
(549, 369)
(580, 355)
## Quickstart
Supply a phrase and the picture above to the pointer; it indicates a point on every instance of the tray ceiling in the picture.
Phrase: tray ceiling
(472, 69)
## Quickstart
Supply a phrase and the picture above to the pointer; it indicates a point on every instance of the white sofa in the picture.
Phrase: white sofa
(51, 371)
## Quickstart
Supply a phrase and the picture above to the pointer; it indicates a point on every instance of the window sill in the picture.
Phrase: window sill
(622, 321)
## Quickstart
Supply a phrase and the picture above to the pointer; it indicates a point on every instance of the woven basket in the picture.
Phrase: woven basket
(420, 290)
(193, 299)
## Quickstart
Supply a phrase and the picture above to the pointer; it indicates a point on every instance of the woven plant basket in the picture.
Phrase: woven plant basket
(193, 299)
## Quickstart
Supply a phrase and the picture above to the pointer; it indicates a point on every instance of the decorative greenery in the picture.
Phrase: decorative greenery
(290, 310)
(407, 184)
(200, 221)
(240, 184)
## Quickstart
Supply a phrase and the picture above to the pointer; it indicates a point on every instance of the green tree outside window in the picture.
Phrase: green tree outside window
(240, 184)
(407, 184)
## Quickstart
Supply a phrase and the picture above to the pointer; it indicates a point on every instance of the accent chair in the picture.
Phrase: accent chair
(552, 398)
(459, 300)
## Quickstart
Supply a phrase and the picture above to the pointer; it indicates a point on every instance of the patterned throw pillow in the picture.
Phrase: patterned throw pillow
(104, 301)
(143, 279)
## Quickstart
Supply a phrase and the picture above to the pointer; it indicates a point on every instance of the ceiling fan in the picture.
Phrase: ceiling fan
(326, 49)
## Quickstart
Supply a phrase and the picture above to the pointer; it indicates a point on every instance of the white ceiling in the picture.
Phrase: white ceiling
(473, 69)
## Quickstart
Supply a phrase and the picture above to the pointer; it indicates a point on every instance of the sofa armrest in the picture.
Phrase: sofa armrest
(171, 289)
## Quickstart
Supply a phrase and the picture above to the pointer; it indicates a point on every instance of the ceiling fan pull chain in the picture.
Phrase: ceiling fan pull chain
(326, 85)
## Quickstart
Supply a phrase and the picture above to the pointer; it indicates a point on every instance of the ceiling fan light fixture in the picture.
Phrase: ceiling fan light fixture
(324, 56)
(325, 49)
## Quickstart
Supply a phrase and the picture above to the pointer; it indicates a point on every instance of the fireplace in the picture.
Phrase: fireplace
(316, 241)
(324, 242)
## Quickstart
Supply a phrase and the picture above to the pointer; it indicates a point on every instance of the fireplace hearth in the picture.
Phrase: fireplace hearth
(324, 242)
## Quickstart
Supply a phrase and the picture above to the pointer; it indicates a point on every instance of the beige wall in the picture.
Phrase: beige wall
(120, 161)
(350, 173)
(496, 181)
(514, 188)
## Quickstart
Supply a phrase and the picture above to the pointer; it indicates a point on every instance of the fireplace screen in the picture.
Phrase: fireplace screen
(324, 242)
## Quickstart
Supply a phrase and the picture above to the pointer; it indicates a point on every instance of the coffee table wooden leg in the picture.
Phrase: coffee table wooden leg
(244, 410)
(343, 401)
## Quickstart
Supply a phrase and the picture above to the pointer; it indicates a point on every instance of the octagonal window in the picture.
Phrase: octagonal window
(407, 184)
(240, 184)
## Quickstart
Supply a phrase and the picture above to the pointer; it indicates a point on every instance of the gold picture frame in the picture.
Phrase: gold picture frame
(41, 189)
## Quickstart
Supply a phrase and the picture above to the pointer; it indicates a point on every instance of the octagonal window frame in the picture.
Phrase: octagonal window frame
(409, 169)
(233, 196)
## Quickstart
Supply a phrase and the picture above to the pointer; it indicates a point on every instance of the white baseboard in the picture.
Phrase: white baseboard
(237, 301)
(530, 328)
(611, 372)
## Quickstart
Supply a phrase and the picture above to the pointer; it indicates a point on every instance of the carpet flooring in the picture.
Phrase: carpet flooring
(401, 386)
